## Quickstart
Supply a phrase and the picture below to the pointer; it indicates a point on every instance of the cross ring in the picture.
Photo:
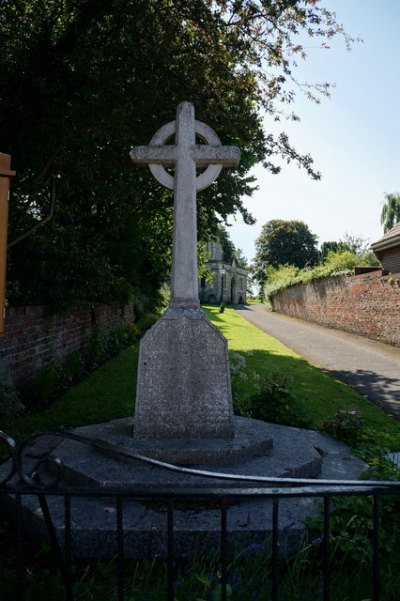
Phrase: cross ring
(164, 134)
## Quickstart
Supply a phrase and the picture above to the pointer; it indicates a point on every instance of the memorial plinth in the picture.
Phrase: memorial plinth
(184, 388)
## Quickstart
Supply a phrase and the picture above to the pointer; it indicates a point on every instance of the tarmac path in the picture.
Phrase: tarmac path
(371, 367)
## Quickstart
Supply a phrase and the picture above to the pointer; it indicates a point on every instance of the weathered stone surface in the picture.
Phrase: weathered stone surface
(184, 388)
(252, 439)
(316, 456)
(196, 529)
(185, 155)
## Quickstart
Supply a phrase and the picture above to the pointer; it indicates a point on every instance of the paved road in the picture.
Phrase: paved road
(372, 368)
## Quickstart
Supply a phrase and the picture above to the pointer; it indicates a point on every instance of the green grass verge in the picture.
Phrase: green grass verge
(109, 392)
(319, 394)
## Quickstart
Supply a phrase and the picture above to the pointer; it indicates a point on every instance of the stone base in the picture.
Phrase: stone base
(294, 454)
(184, 388)
(252, 439)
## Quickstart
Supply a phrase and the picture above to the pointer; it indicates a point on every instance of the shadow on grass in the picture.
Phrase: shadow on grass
(322, 394)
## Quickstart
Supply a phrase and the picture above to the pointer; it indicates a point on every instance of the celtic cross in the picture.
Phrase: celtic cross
(185, 155)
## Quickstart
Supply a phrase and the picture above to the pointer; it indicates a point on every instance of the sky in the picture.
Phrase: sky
(353, 136)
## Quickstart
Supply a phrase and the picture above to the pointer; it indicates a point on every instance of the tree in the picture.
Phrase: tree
(259, 277)
(354, 244)
(83, 80)
(327, 247)
(390, 214)
(228, 248)
(285, 243)
(241, 259)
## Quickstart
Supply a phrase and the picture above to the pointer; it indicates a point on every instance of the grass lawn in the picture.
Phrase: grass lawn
(109, 392)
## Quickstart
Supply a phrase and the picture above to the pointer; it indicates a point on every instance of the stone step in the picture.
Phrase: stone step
(296, 453)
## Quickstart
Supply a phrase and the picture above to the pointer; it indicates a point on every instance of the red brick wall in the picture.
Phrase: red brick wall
(32, 338)
(366, 304)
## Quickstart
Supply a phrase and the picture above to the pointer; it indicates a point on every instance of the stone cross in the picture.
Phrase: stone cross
(185, 155)
(183, 386)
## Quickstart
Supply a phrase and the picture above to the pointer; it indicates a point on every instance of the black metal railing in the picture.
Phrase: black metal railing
(16, 484)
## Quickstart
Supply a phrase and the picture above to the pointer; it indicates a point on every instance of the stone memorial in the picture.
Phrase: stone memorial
(183, 412)
(184, 388)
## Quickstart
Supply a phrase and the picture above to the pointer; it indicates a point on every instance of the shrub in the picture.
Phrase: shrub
(274, 402)
(47, 383)
(146, 322)
(107, 341)
(347, 426)
(336, 263)
(268, 397)
(351, 535)
(10, 403)
(73, 368)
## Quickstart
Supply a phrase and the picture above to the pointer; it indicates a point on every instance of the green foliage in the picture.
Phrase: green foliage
(58, 375)
(339, 262)
(259, 275)
(249, 572)
(105, 394)
(164, 295)
(107, 341)
(326, 247)
(146, 322)
(80, 84)
(349, 242)
(336, 263)
(10, 403)
(202, 259)
(283, 243)
(241, 260)
(353, 243)
(390, 214)
(351, 522)
(47, 383)
(351, 535)
(268, 395)
(73, 368)
(228, 248)
(286, 243)
(347, 426)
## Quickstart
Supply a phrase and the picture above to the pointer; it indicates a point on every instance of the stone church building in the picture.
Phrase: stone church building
(230, 281)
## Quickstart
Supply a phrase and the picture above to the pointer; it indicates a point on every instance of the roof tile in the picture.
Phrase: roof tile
(393, 233)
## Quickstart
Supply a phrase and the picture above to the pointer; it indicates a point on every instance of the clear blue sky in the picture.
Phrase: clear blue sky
(354, 136)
